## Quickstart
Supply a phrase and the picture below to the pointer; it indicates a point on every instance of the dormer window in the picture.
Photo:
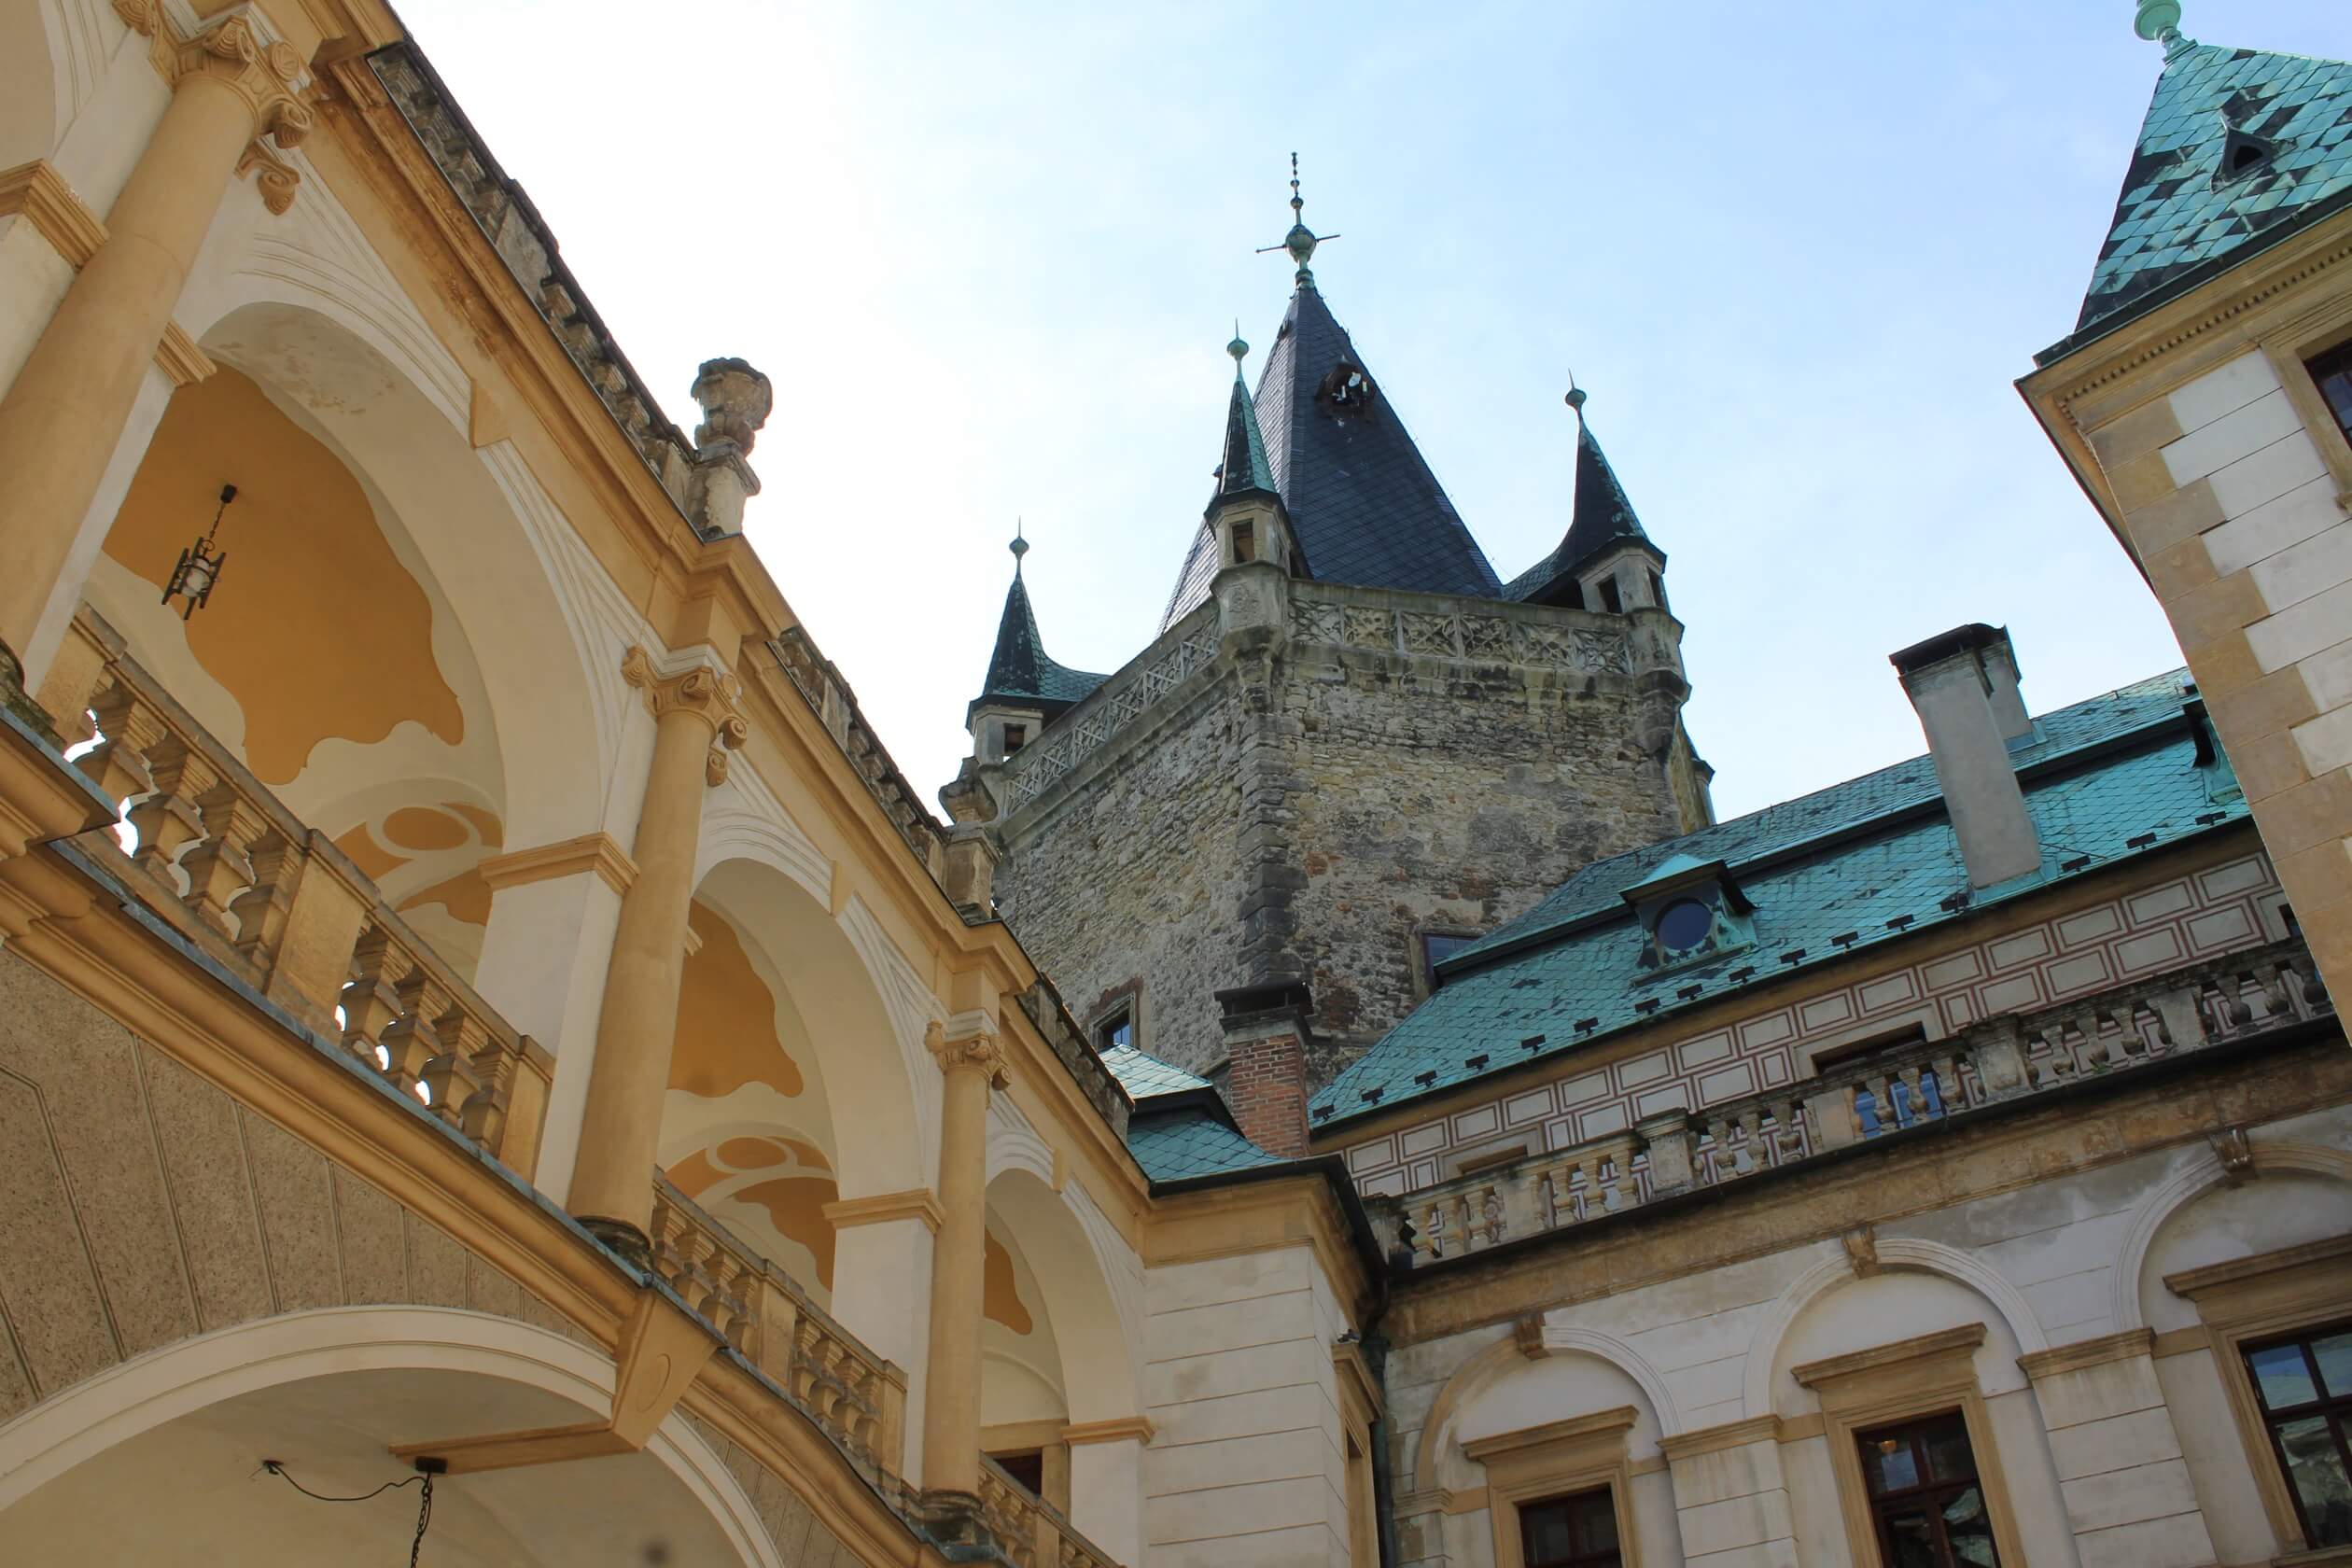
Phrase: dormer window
(2243, 154)
(1690, 912)
(1347, 387)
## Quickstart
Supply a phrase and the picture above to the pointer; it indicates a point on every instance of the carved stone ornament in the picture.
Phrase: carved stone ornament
(276, 180)
(982, 1051)
(1861, 1249)
(711, 695)
(266, 75)
(1527, 1334)
(2236, 1155)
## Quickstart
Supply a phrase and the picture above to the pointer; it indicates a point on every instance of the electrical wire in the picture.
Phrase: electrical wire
(423, 1501)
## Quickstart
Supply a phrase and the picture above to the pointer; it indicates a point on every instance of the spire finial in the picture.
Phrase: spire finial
(2159, 23)
(1576, 399)
(1019, 547)
(1239, 349)
(1301, 241)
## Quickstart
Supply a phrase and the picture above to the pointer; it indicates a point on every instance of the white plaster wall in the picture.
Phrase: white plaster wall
(1246, 1464)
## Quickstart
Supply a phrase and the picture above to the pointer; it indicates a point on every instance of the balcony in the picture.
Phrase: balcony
(1997, 1062)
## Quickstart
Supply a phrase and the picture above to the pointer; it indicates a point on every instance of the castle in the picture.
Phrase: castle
(496, 1059)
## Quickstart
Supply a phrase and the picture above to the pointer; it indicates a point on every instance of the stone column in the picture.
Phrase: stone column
(951, 1407)
(66, 409)
(694, 715)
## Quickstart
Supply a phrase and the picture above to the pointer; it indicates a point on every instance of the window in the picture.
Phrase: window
(1116, 1031)
(2304, 1386)
(1437, 947)
(2332, 371)
(1926, 1505)
(1029, 1469)
(1245, 541)
(1684, 925)
(1658, 590)
(1610, 599)
(1576, 1532)
(1015, 736)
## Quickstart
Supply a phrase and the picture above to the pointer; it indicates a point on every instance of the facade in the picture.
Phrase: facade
(486, 1026)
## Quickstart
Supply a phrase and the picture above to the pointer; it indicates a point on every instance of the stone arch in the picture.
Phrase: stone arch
(192, 1376)
(1499, 1360)
(1895, 1254)
(2198, 1176)
(1081, 1289)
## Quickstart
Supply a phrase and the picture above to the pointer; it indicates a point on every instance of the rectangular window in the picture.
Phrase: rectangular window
(1610, 599)
(1437, 947)
(1578, 1530)
(2305, 1389)
(1926, 1503)
(1015, 736)
(1117, 1030)
(1245, 541)
(2332, 371)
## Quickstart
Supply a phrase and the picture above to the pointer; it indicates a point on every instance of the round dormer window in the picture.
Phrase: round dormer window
(1682, 925)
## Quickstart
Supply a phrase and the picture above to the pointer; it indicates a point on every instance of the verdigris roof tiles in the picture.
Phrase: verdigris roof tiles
(1143, 1075)
(1019, 671)
(1603, 517)
(1870, 860)
(1363, 501)
(2181, 208)
(1191, 1142)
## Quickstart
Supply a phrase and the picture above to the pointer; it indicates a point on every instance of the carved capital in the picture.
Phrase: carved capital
(982, 1051)
(266, 75)
(276, 178)
(714, 697)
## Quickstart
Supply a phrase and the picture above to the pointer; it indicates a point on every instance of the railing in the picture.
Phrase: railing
(821, 685)
(218, 856)
(1868, 1096)
(1032, 1532)
(858, 1398)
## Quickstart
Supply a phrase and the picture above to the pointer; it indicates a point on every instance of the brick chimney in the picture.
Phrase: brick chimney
(1964, 685)
(1266, 1049)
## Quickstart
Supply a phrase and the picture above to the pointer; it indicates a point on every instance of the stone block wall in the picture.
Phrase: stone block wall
(1327, 774)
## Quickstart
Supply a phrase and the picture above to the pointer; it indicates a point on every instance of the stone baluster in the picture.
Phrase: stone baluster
(167, 820)
(128, 726)
(410, 1042)
(453, 1075)
(218, 868)
(369, 1003)
(274, 866)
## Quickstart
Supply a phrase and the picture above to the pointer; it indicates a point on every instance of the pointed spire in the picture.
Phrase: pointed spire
(1245, 467)
(1021, 672)
(1603, 517)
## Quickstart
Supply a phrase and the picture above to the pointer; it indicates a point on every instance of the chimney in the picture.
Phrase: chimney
(1964, 684)
(1266, 1049)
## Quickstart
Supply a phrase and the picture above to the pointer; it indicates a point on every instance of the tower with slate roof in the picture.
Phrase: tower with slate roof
(2204, 400)
(1352, 745)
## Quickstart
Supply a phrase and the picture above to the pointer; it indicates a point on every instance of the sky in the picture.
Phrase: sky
(990, 256)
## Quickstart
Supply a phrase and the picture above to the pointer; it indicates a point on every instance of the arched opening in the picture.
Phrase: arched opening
(783, 1046)
(162, 1462)
(383, 651)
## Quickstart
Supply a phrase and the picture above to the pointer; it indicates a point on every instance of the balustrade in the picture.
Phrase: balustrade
(1865, 1097)
(213, 852)
(1032, 1532)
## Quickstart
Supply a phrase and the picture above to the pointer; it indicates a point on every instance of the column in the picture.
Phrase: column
(2128, 1494)
(695, 715)
(65, 413)
(951, 1408)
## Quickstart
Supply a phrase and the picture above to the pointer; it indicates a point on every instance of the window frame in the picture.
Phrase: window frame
(2335, 1409)
(1614, 1555)
(2317, 368)
(1584, 1453)
(2293, 346)
(1931, 1493)
(2259, 1300)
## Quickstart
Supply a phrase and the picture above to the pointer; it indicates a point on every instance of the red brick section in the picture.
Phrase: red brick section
(1267, 1088)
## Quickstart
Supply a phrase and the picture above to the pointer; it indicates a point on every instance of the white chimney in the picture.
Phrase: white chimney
(1964, 685)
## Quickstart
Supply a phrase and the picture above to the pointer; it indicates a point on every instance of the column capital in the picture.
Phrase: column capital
(712, 695)
(981, 1050)
(267, 73)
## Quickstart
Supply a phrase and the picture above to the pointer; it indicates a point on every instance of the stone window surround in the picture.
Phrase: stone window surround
(1583, 1453)
(2291, 344)
(1923, 1376)
(2261, 1297)
(1125, 997)
(1360, 1406)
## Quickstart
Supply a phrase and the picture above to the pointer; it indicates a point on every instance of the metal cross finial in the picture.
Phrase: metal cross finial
(1301, 241)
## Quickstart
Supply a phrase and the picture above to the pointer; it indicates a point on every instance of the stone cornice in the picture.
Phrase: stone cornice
(1119, 1429)
(917, 1203)
(2083, 1353)
(1618, 1420)
(543, 863)
(1947, 1342)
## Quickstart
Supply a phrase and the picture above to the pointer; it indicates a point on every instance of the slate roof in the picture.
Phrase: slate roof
(1872, 858)
(1362, 500)
(2179, 215)
(1143, 1075)
(1020, 673)
(1603, 517)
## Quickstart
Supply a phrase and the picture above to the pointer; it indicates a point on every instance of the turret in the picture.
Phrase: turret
(1023, 691)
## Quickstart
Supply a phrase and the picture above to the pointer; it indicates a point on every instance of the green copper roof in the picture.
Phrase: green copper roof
(1244, 469)
(1144, 1076)
(1867, 861)
(1603, 517)
(2186, 208)
(1191, 1141)
(1020, 674)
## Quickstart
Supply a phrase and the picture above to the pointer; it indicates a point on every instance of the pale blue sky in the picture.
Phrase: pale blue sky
(990, 256)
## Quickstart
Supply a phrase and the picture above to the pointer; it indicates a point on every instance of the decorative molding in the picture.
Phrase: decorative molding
(544, 862)
(1714, 1439)
(916, 1203)
(714, 695)
(2194, 1284)
(2085, 1353)
(981, 1049)
(1943, 1342)
(1118, 1429)
(2181, 1341)
(1105, 713)
(1610, 1422)
(276, 180)
(178, 357)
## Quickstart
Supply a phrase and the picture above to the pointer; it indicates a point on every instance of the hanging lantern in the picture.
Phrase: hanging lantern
(200, 564)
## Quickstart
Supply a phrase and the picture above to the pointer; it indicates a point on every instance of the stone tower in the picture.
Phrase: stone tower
(1350, 745)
